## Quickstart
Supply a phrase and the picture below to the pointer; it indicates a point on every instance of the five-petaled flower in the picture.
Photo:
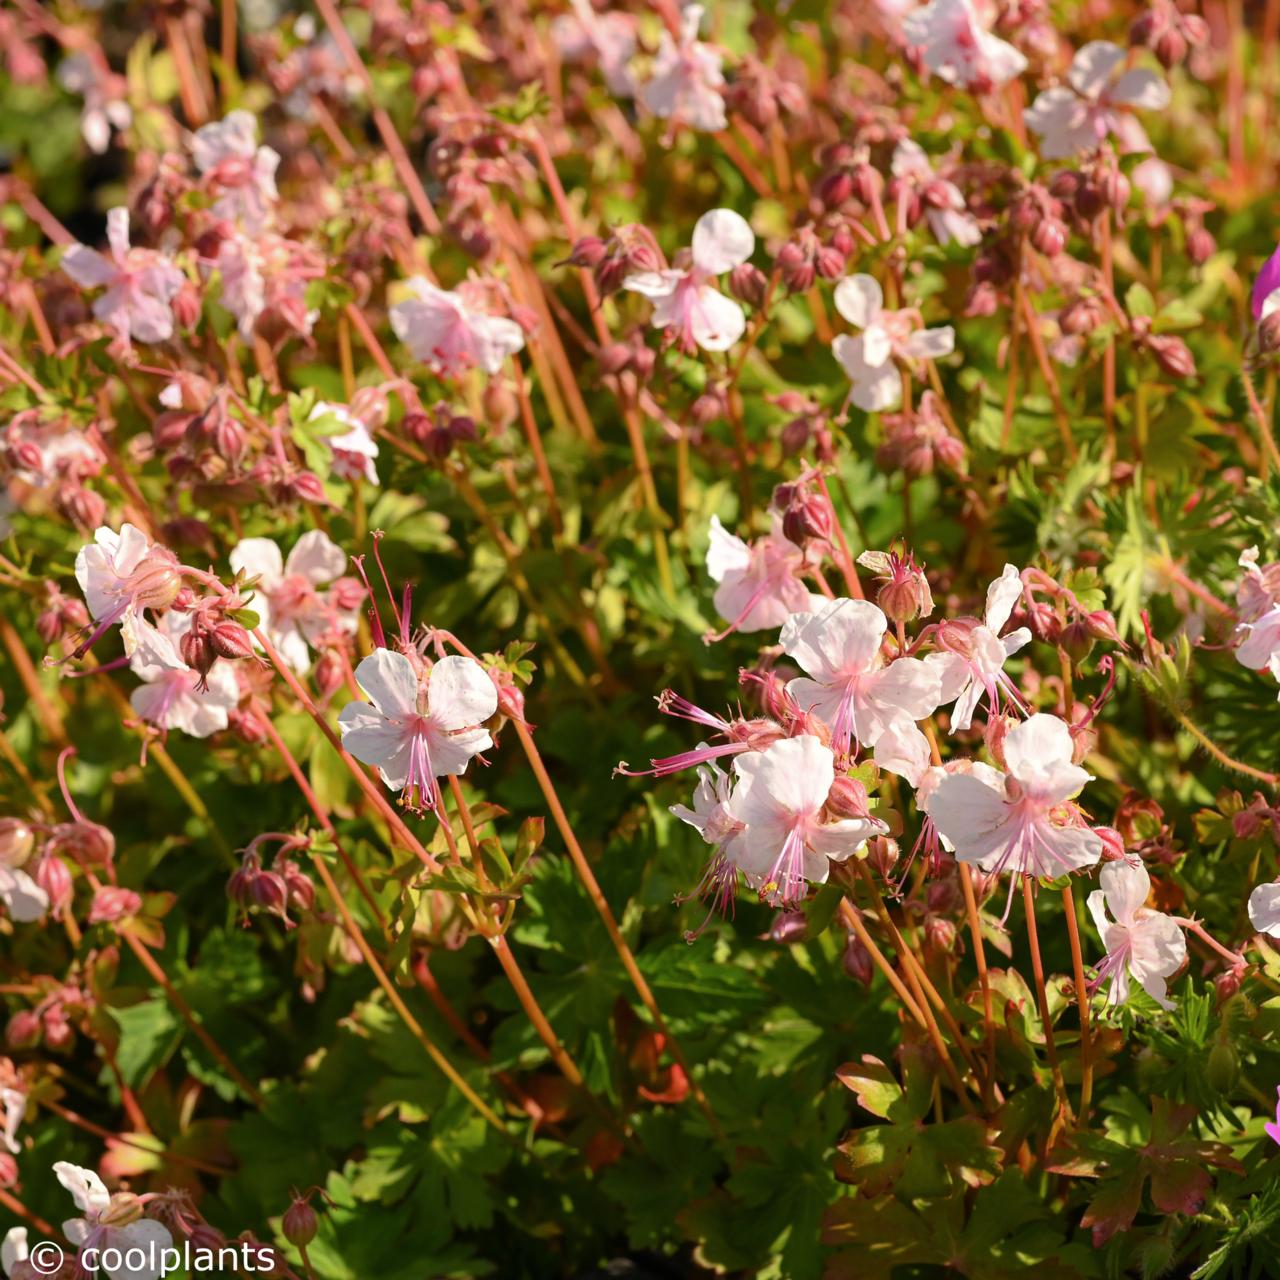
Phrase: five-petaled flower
(174, 695)
(293, 608)
(140, 283)
(686, 302)
(687, 78)
(759, 583)
(450, 333)
(1021, 820)
(869, 357)
(1078, 116)
(972, 654)
(114, 1226)
(1141, 942)
(238, 169)
(957, 47)
(849, 686)
(122, 575)
(788, 840)
(416, 731)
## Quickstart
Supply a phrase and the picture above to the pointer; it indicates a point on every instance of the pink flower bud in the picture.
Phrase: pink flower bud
(749, 284)
(1112, 843)
(54, 877)
(269, 891)
(808, 517)
(1050, 237)
(1172, 355)
(87, 843)
(17, 841)
(1201, 245)
(857, 961)
(247, 725)
(347, 594)
(86, 508)
(299, 1224)
(186, 306)
(112, 903)
(229, 639)
(23, 1030)
(57, 1030)
(848, 798)
(9, 1179)
(302, 891)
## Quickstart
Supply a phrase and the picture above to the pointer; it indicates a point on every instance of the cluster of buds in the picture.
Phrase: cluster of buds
(1038, 214)
(1169, 351)
(283, 887)
(1093, 189)
(903, 594)
(806, 513)
(51, 1022)
(629, 250)
(807, 427)
(214, 633)
(804, 258)
(440, 430)
(62, 615)
(848, 175)
(759, 94)
(628, 355)
(1168, 32)
(918, 442)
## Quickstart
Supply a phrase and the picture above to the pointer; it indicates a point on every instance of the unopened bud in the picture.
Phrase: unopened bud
(112, 903)
(1173, 355)
(54, 877)
(229, 639)
(23, 1030)
(17, 841)
(857, 961)
(1050, 237)
(808, 517)
(749, 284)
(848, 798)
(299, 1224)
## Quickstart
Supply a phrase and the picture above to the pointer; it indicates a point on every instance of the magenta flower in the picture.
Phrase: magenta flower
(140, 283)
(1265, 297)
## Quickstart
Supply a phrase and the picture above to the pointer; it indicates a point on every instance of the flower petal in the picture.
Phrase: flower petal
(391, 683)
(722, 240)
(859, 299)
(460, 694)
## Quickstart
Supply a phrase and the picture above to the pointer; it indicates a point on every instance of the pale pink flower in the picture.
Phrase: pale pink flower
(267, 273)
(1258, 590)
(103, 91)
(1259, 635)
(174, 696)
(416, 731)
(779, 800)
(140, 283)
(848, 685)
(23, 898)
(971, 658)
(450, 333)
(711, 818)
(234, 166)
(944, 205)
(122, 574)
(354, 450)
(1080, 115)
(687, 78)
(293, 608)
(759, 584)
(146, 1235)
(959, 49)
(14, 1251)
(15, 1110)
(609, 37)
(869, 357)
(1141, 942)
(1021, 821)
(43, 455)
(1264, 908)
(686, 301)
(1155, 180)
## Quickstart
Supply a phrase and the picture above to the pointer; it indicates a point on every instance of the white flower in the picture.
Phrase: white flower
(289, 599)
(1259, 647)
(449, 335)
(1017, 821)
(849, 686)
(1139, 940)
(868, 358)
(104, 107)
(609, 36)
(1079, 117)
(15, 1109)
(687, 301)
(174, 696)
(972, 658)
(13, 1249)
(414, 732)
(1155, 180)
(25, 900)
(687, 78)
(227, 154)
(140, 283)
(959, 49)
(353, 451)
(710, 816)
(91, 1232)
(944, 206)
(779, 799)
(122, 574)
(759, 584)
(1264, 908)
